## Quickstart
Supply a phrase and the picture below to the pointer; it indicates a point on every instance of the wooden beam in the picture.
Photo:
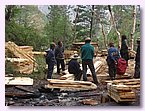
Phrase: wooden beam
(18, 81)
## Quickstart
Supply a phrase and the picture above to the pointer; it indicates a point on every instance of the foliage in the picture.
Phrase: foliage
(58, 26)
(27, 25)
(23, 27)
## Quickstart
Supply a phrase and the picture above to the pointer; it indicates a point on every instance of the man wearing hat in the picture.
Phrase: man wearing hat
(137, 60)
(87, 54)
(74, 67)
(50, 59)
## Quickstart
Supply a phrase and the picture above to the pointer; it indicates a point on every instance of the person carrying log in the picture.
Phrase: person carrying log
(137, 60)
(74, 67)
(124, 48)
(112, 58)
(59, 54)
(50, 59)
(87, 54)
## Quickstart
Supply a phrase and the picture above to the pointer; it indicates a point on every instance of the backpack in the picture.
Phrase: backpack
(121, 66)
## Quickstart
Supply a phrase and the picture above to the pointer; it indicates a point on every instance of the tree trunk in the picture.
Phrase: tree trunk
(103, 32)
(9, 12)
(76, 18)
(133, 28)
(104, 36)
(92, 20)
(113, 21)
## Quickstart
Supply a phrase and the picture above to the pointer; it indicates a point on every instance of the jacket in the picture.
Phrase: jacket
(50, 57)
(59, 52)
(87, 52)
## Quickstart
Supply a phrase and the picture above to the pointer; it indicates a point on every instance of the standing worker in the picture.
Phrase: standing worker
(137, 60)
(124, 48)
(112, 58)
(59, 54)
(74, 67)
(50, 59)
(87, 54)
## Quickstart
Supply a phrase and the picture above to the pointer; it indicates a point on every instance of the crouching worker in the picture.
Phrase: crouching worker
(50, 60)
(74, 67)
(112, 58)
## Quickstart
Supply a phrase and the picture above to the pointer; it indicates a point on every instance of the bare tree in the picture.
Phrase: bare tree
(133, 27)
(92, 21)
(76, 19)
(113, 21)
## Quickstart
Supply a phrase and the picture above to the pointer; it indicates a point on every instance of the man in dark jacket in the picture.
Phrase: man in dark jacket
(50, 59)
(113, 56)
(74, 67)
(137, 60)
(59, 54)
(124, 49)
(87, 54)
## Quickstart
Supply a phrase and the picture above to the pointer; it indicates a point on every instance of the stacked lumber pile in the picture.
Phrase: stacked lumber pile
(77, 45)
(70, 85)
(104, 52)
(69, 53)
(132, 53)
(123, 90)
(24, 61)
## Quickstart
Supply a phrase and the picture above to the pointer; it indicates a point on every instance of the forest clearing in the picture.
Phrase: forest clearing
(30, 32)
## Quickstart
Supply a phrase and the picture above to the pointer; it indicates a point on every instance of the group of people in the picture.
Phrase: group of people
(114, 54)
(55, 55)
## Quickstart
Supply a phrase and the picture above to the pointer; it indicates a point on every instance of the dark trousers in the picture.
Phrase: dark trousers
(125, 56)
(77, 75)
(60, 62)
(91, 66)
(137, 70)
(112, 69)
(50, 71)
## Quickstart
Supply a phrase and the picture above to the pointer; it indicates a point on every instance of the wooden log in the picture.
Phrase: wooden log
(24, 89)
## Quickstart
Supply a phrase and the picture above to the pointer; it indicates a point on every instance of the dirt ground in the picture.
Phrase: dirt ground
(54, 97)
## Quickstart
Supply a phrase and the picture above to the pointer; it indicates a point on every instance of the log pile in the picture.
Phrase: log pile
(24, 61)
(123, 90)
(132, 53)
(77, 46)
(69, 53)
(70, 85)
